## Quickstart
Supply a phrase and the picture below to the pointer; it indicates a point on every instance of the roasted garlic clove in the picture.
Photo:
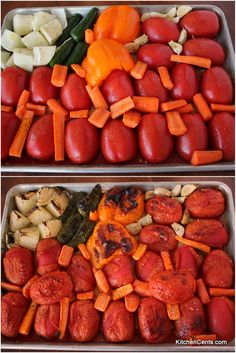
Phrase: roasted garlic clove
(183, 36)
(178, 229)
(180, 199)
(183, 10)
(146, 220)
(188, 189)
(174, 19)
(176, 47)
(39, 215)
(148, 194)
(186, 217)
(162, 192)
(17, 221)
(58, 205)
(45, 195)
(50, 229)
(176, 190)
(134, 228)
(25, 202)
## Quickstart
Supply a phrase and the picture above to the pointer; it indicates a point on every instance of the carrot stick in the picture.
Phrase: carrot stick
(21, 135)
(192, 60)
(28, 319)
(202, 291)
(175, 123)
(102, 302)
(122, 291)
(141, 288)
(173, 311)
(78, 70)
(20, 111)
(140, 251)
(93, 215)
(165, 77)
(172, 105)
(65, 256)
(85, 295)
(131, 119)
(138, 70)
(99, 117)
(165, 255)
(64, 313)
(6, 108)
(121, 107)
(10, 287)
(206, 157)
(218, 292)
(24, 98)
(59, 73)
(188, 108)
(89, 36)
(146, 104)
(84, 251)
(96, 97)
(194, 244)
(202, 106)
(56, 107)
(59, 135)
(222, 107)
(79, 114)
(37, 109)
(204, 337)
(26, 288)
(102, 283)
(132, 301)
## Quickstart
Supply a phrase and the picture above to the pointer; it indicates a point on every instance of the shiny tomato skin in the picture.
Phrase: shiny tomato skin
(150, 85)
(164, 210)
(41, 88)
(155, 140)
(221, 129)
(47, 254)
(201, 23)
(13, 81)
(155, 54)
(81, 141)
(9, 127)
(116, 86)
(158, 237)
(185, 258)
(40, 144)
(119, 271)
(46, 323)
(73, 94)
(160, 30)
(185, 80)
(148, 266)
(118, 142)
(196, 137)
(216, 86)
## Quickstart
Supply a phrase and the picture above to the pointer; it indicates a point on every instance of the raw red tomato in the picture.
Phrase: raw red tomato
(46, 323)
(206, 48)
(41, 89)
(186, 258)
(220, 318)
(156, 54)
(196, 137)
(118, 142)
(216, 86)
(148, 266)
(74, 95)
(172, 286)
(81, 274)
(81, 141)
(18, 264)
(155, 140)
(185, 80)
(119, 271)
(221, 130)
(160, 30)
(117, 86)
(40, 144)
(201, 23)
(9, 127)
(151, 86)
(47, 254)
(158, 237)
(164, 210)
(13, 81)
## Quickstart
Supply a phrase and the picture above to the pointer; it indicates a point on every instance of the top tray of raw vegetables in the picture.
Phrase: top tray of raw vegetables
(120, 86)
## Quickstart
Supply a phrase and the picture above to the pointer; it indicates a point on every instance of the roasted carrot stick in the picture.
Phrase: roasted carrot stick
(26, 288)
(140, 251)
(194, 244)
(78, 70)
(206, 157)
(64, 313)
(173, 311)
(102, 283)
(218, 292)
(96, 97)
(202, 106)
(28, 319)
(222, 107)
(84, 251)
(65, 256)
(138, 70)
(122, 291)
(192, 60)
(89, 36)
(59, 73)
(79, 114)
(56, 107)
(131, 119)
(6, 108)
(11, 287)
(24, 98)
(141, 288)
(85, 295)
(59, 135)
(202, 291)
(99, 117)
(165, 255)
(132, 301)
(204, 337)
(188, 108)
(37, 109)
(172, 105)
(93, 215)
(102, 302)
(146, 104)
(165, 77)
(175, 123)
(121, 107)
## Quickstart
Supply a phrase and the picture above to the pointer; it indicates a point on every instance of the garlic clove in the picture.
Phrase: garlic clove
(174, 19)
(17, 221)
(180, 199)
(162, 192)
(176, 47)
(141, 40)
(132, 47)
(176, 190)
(146, 220)
(25, 202)
(182, 36)
(183, 10)
(188, 189)
(134, 228)
(186, 217)
(178, 229)
(148, 195)
(171, 13)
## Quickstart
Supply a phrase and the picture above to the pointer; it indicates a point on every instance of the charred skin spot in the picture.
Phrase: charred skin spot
(109, 247)
(126, 245)
(96, 253)
(123, 197)
(197, 322)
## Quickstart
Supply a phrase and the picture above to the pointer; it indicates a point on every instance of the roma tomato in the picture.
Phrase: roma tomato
(119, 271)
(47, 254)
(118, 142)
(185, 81)
(41, 89)
(9, 127)
(148, 266)
(158, 237)
(221, 129)
(117, 86)
(164, 210)
(13, 81)
(156, 54)
(40, 143)
(201, 23)
(46, 323)
(216, 86)
(160, 30)
(73, 94)
(150, 85)
(186, 258)
(155, 140)
(196, 137)
(81, 141)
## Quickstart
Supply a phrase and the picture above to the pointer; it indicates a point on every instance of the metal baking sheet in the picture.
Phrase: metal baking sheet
(138, 165)
(36, 343)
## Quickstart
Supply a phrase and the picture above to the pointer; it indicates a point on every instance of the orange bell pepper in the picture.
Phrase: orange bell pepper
(121, 23)
(104, 56)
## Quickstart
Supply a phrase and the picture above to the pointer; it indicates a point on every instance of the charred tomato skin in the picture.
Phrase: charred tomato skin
(164, 210)
(158, 237)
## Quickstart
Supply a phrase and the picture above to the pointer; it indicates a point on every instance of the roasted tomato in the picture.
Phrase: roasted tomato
(201, 23)
(148, 266)
(155, 55)
(155, 140)
(51, 288)
(154, 324)
(47, 254)
(192, 319)
(164, 210)
(221, 130)
(158, 237)
(47, 319)
(13, 81)
(160, 30)
(41, 89)
(13, 308)
(123, 205)
(9, 127)
(185, 80)
(220, 318)
(40, 143)
(118, 323)
(217, 269)
(83, 321)
(118, 142)
(81, 274)
(18, 264)
(150, 85)
(117, 86)
(196, 137)
(119, 271)
(205, 203)
(186, 258)
(207, 231)
(173, 286)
